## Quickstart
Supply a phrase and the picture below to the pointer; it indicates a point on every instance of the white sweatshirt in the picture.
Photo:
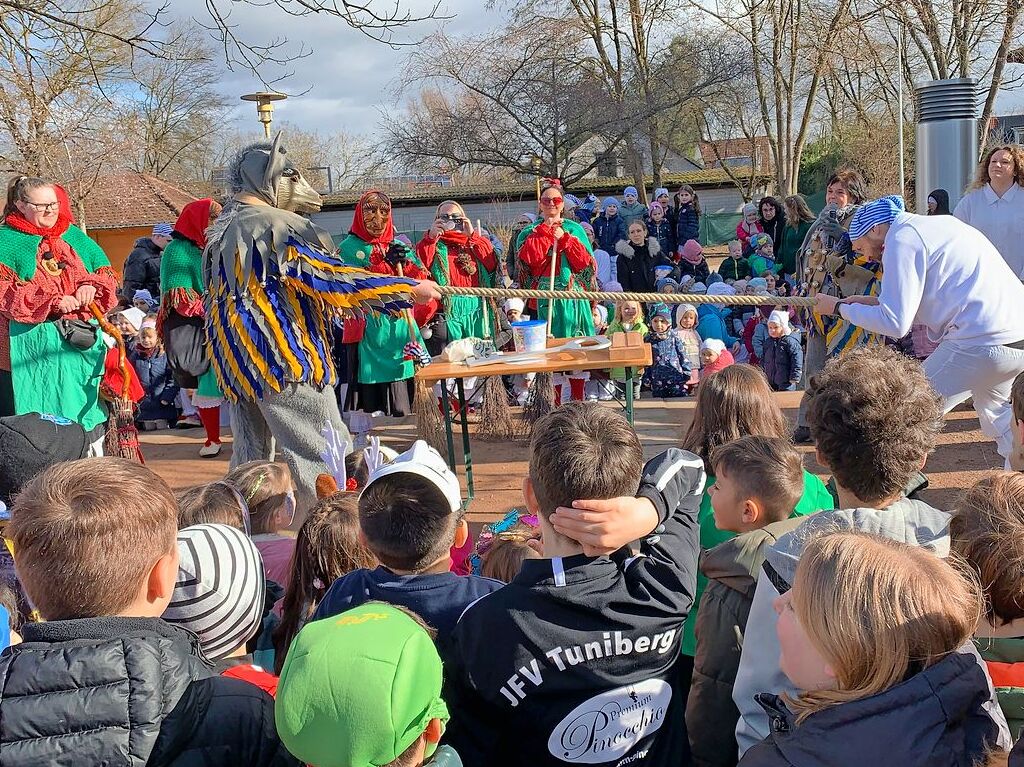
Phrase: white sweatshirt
(941, 273)
(1001, 219)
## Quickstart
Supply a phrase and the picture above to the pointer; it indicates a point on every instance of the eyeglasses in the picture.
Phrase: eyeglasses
(551, 200)
(449, 217)
(49, 207)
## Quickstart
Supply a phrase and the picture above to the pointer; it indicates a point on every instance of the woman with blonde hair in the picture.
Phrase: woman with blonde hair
(871, 635)
(798, 222)
(994, 203)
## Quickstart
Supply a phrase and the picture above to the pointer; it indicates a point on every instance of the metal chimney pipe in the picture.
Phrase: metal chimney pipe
(947, 138)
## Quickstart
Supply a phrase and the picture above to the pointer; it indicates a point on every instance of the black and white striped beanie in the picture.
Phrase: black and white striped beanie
(221, 588)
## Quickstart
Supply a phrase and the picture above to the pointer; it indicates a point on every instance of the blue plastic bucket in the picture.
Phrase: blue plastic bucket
(530, 335)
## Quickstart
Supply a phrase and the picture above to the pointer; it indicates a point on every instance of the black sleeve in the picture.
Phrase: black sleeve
(674, 483)
(475, 728)
(622, 272)
(134, 275)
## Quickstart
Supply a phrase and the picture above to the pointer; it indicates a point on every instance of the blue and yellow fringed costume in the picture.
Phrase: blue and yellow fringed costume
(269, 318)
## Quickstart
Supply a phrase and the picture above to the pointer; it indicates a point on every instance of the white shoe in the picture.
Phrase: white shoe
(209, 451)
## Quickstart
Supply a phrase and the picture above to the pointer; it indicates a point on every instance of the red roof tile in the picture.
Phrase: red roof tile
(127, 200)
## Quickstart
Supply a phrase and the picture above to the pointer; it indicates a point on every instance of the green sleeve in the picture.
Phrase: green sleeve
(355, 252)
(85, 247)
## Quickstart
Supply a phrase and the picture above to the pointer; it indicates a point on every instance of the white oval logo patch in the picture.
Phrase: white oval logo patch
(607, 726)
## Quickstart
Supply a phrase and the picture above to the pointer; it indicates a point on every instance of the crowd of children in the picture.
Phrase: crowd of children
(718, 605)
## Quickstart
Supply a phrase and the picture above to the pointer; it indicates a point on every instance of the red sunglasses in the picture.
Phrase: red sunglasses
(551, 200)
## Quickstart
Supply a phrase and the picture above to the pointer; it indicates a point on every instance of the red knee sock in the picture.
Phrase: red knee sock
(210, 418)
(578, 388)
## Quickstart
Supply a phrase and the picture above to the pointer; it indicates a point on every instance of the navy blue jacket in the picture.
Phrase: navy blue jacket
(687, 225)
(438, 598)
(783, 362)
(609, 231)
(664, 233)
(935, 717)
(157, 379)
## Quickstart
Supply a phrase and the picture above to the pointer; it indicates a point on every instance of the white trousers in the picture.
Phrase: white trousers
(984, 373)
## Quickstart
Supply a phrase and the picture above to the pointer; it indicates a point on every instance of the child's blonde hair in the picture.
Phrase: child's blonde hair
(878, 611)
(505, 556)
(736, 245)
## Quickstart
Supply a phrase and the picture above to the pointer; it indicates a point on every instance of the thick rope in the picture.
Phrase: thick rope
(668, 298)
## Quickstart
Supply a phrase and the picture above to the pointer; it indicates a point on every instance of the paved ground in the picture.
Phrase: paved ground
(962, 457)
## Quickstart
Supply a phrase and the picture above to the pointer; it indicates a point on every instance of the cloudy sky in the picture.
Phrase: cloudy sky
(348, 75)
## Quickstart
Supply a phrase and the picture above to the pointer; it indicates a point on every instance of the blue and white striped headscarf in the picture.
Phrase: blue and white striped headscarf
(881, 211)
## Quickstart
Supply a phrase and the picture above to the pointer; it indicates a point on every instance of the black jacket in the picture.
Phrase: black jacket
(635, 265)
(935, 717)
(142, 270)
(576, 660)
(127, 691)
(687, 224)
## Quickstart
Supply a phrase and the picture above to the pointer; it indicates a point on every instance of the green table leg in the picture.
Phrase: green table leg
(466, 450)
(629, 395)
(447, 406)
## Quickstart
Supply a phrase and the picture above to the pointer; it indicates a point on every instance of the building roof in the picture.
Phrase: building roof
(516, 191)
(129, 200)
(759, 149)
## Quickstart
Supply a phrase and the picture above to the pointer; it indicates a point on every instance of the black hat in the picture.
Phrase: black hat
(31, 443)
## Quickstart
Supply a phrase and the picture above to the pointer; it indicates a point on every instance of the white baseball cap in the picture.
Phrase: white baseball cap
(421, 459)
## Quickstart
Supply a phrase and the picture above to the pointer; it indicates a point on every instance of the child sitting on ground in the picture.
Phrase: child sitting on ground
(104, 676)
(714, 357)
(219, 597)
(505, 556)
(158, 409)
(762, 257)
(669, 373)
(692, 262)
(987, 532)
(758, 483)
(783, 360)
(872, 637)
(326, 548)
(216, 503)
(863, 405)
(269, 496)
(363, 689)
(734, 267)
(410, 514)
(573, 633)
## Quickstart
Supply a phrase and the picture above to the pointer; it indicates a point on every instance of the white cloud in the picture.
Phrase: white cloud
(348, 74)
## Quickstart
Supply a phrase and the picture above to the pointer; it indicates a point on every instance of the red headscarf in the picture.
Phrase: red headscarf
(194, 219)
(359, 228)
(50, 236)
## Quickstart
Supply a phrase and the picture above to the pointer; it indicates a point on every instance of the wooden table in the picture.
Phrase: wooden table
(559, 362)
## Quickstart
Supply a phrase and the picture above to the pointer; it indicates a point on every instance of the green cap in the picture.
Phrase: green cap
(357, 689)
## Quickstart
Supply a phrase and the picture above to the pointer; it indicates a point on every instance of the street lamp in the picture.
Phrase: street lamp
(265, 106)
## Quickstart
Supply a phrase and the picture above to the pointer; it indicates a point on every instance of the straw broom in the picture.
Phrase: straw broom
(543, 400)
(122, 438)
(495, 414)
(429, 424)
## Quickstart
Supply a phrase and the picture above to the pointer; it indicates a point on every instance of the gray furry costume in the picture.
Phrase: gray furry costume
(275, 286)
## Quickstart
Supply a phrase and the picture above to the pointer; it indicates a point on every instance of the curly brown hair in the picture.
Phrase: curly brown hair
(981, 176)
(874, 417)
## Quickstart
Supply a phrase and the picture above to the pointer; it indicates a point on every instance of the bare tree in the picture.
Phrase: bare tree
(522, 93)
(268, 60)
(175, 111)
